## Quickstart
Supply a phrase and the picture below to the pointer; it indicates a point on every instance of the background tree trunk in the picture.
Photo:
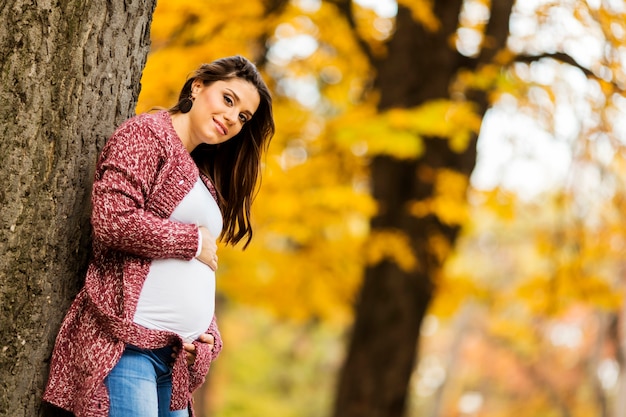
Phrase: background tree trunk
(420, 66)
(70, 73)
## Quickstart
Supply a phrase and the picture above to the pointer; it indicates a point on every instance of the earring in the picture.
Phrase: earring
(185, 104)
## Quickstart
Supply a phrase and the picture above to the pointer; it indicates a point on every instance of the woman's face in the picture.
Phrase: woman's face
(220, 110)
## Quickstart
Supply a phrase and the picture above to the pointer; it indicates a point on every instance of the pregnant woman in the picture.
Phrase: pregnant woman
(141, 334)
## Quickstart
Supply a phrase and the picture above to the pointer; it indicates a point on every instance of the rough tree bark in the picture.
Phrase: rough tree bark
(420, 66)
(70, 72)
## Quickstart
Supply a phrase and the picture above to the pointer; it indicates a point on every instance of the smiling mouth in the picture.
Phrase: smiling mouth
(220, 127)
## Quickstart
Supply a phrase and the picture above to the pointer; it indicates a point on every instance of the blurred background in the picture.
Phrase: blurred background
(439, 230)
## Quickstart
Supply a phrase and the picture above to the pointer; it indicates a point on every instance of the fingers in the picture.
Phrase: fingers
(208, 252)
(189, 349)
(207, 338)
(211, 261)
(190, 353)
(213, 264)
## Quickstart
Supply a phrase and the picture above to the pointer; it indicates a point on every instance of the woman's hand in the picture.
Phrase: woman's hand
(208, 253)
(190, 348)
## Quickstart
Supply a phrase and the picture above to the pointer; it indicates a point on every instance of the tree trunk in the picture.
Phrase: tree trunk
(419, 67)
(619, 338)
(70, 73)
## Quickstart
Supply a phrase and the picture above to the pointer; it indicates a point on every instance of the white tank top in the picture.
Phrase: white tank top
(179, 295)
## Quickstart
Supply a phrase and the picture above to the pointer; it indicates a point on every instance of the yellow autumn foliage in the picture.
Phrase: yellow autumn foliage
(453, 292)
(522, 261)
(449, 200)
(400, 132)
(518, 335)
(393, 246)
(422, 12)
(312, 214)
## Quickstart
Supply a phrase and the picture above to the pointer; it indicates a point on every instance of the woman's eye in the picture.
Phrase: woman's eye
(228, 100)
(243, 118)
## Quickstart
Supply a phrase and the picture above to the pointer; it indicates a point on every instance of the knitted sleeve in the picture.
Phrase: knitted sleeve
(127, 170)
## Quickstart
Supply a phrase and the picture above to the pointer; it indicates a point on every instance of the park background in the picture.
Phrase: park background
(525, 317)
(440, 227)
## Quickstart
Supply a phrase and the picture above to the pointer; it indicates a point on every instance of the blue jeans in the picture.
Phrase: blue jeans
(140, 385)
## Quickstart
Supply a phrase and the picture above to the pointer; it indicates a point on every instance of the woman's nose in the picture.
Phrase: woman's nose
(231, 115)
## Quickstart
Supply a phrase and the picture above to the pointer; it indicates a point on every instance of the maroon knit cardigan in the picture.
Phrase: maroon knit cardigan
(143, 173)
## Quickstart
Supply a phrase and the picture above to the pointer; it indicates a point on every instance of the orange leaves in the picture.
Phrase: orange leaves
(186, 23)
(186, 33)
(310, 221)
(299, 282)
(312, 215)
(399, 132)
(375, 135)
(539, 259)
(372, 28)
(390, 245)
(422, 12)
(452, 292)
(519, 262)
(516, 334)
(553, 295)
(449, 119)
(449, 200)
(318, 49)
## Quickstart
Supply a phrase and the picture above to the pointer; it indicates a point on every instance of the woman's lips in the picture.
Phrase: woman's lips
(220, 127)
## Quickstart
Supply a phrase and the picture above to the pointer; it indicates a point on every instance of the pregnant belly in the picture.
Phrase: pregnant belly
(178, 296)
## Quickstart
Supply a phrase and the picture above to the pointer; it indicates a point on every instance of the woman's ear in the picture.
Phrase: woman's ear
(196, 86)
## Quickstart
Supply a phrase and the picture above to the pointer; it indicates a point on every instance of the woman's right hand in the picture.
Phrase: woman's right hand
(208, 253)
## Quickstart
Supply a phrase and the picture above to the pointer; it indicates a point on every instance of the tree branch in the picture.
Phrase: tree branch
(345, 9)
(497, 30)
(273, 7)
(557, 56)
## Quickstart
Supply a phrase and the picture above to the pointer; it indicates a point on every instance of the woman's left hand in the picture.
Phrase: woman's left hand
(190, 348)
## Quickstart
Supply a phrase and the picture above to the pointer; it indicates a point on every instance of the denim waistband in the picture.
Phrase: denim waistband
(163, 354)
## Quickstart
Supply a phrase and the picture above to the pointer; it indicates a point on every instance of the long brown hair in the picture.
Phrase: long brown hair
(234, 166)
